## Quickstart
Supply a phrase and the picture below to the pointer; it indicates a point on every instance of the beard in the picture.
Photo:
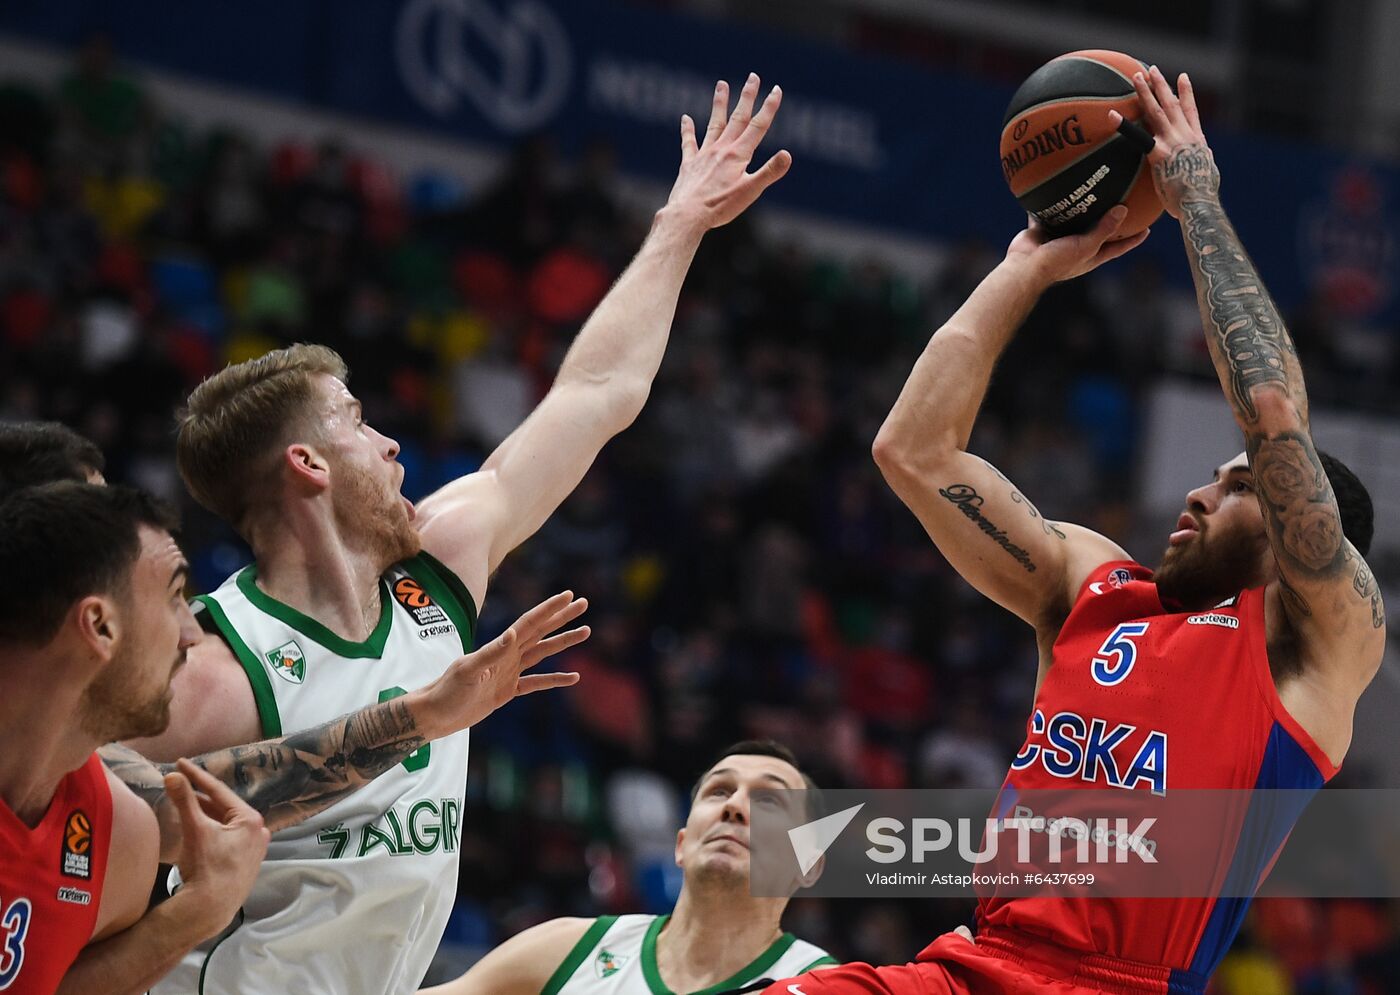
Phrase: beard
(372, 517)
(113, 707)
(1209, 568)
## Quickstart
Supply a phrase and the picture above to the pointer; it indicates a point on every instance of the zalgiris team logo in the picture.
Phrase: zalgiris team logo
(288, 662)
(606, 964)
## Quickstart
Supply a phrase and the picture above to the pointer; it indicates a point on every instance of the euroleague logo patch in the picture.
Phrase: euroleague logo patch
(1119, 577)
(77, 845)
(409, 593)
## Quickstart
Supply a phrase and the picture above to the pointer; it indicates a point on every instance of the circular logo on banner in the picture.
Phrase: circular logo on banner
(510, 59)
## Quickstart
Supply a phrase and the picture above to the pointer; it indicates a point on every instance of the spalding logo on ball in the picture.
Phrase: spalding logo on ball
(1062, 159)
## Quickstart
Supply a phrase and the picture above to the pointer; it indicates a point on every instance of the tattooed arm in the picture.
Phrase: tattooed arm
(1327, 593)
(290, 779)
(287, 780)
(986, 528)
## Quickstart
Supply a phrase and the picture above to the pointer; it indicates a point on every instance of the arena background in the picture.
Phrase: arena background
(442, 190)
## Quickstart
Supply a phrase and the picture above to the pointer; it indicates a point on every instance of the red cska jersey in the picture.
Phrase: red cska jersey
(51, 881)
(1141, 698)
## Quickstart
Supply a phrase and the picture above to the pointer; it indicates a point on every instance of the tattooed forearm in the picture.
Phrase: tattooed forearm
(145, 779)
(1300, 510)
(1365, 584)
(1245, 331)
(969, 502)
(304, 773)
(293, 778)
(1050, 527)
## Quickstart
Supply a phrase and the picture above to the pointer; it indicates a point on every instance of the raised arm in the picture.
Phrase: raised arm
(472, 523)
(1327, 592)
(290, 779)
(987, 529)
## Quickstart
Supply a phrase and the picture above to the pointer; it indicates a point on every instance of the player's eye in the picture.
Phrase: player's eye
(1242, 487)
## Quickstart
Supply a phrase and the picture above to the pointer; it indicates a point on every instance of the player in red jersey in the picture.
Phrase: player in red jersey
(285, 780)
(1236, 664)
(93, 623)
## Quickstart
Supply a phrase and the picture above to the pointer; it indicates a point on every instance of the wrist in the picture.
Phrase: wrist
(680, 222)
(1027, 270)
(193, 914)
(426, 707)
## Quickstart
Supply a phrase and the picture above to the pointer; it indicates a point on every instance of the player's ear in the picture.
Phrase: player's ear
(308, 466)
(813, 873)
(680, 841)
(95, 618)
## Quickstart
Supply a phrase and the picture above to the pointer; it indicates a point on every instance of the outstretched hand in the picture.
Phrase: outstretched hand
(1069, 256)
(713, 185)
(477, 684)
(1183, 167)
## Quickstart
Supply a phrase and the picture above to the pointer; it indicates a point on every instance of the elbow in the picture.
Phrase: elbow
(1276, 411)
(900, 457)
(626, 398)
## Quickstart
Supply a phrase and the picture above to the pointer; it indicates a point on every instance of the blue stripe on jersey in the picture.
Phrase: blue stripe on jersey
(1270, 818)
(1185, 983)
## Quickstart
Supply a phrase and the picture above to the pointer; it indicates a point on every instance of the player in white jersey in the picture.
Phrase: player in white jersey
(354, 595)
(717, 939)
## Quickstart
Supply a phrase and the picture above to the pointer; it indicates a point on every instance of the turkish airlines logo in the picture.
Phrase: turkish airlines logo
(511, 59)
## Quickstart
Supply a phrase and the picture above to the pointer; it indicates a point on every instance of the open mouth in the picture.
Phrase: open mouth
(1186, 527)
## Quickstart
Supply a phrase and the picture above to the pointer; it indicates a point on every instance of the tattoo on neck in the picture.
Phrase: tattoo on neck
(966, 499)
(1365, 584)
(1246, 326)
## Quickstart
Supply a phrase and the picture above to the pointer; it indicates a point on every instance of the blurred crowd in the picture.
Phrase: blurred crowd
(751, 574)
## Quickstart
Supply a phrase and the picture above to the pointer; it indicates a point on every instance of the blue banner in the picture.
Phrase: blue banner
(878, 142)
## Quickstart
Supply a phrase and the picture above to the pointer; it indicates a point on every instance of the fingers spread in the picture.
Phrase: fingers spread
(1163, 91)
(536, 620)
(758, 127)
(743, 110)
(1188, 101)
(718, 109)
(1151, 109)
(554, 644)
(688, 146)
(543, 682)
(564, 616)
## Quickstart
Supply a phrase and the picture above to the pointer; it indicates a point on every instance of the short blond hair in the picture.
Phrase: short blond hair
(237, 420)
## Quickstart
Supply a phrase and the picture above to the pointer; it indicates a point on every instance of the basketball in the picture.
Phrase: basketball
(1065, 163)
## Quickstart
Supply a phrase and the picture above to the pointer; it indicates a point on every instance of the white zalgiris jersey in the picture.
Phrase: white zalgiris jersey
(354, 900)
(617, 956)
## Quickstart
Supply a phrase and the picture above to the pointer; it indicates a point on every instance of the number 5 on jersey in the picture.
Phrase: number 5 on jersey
(1115, 658)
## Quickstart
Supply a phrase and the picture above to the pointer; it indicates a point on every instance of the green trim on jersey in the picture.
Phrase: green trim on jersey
(826, 961)
(205, 966)
(443, 587)
(263, 696)
(455, 585)
(372, 648)
(652, 973)
(578, 955)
